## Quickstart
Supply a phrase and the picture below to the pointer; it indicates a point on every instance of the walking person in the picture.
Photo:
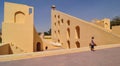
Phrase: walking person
(92, 44)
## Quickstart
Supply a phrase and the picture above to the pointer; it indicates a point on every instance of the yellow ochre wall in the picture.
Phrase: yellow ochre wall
(18, 28)
(62, 24)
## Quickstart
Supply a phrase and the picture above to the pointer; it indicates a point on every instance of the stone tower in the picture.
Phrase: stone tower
(18, 28)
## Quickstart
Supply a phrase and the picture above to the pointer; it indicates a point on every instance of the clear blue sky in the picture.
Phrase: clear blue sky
(84, 9)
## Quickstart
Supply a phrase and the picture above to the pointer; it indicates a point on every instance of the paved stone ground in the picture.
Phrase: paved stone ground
(104, 57)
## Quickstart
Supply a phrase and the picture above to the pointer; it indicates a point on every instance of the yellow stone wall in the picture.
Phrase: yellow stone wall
(16, 32)
(18, 28)
(72, 32)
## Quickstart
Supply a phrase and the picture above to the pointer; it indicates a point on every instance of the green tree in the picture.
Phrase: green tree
(48, 32)
(115, 21)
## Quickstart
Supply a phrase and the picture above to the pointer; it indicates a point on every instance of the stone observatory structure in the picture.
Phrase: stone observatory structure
(73, 32)
(18, 29)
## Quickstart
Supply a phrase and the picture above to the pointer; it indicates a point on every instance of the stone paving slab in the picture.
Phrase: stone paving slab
(104, 57)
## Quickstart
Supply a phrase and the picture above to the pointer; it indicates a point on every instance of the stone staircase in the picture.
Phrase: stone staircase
(14, 49)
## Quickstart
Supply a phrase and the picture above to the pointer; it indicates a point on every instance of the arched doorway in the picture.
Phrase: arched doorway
(78, 44)
(38, 46)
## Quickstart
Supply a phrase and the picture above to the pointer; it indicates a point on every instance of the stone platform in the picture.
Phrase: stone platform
(109, 56)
